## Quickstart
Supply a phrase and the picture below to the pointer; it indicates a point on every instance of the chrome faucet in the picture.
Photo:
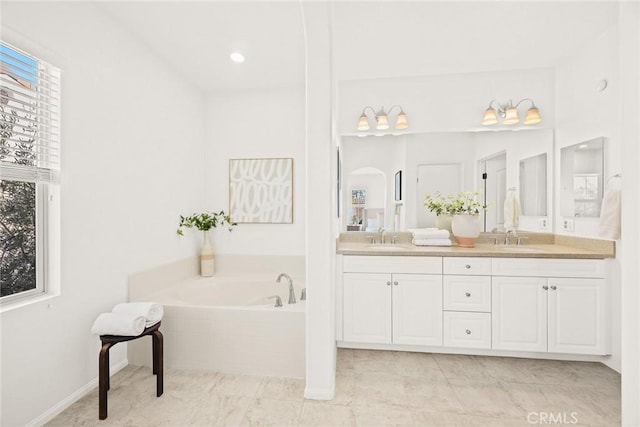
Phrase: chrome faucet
(510, 233)
(292, 295)
(383, 235)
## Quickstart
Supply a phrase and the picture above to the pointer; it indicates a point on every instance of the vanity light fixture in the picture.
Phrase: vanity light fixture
(509, 113)
(382, 119)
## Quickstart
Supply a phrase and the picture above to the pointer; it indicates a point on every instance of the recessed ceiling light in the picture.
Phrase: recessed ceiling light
(583, 146)
(237, 57)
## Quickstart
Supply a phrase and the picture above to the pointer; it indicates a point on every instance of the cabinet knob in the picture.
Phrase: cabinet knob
(467, 266)
(389, 283)
(468, 331)
(467, 294)
(545, 287)
(553, 287)
(395, 283)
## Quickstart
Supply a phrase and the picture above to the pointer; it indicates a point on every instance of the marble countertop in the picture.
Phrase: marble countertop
(542, 248)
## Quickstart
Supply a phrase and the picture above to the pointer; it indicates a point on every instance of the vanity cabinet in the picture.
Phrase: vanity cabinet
(550, 314)
(392, 306)
(535, 305)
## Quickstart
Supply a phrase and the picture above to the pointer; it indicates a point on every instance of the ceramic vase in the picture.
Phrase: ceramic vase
(207, 260)
(466, 229)
(443, 222)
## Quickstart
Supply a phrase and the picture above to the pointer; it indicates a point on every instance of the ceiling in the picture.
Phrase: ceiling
(374, 39)
(196, 39)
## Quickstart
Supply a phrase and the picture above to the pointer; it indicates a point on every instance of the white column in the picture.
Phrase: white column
(320, 240)
(629, 22)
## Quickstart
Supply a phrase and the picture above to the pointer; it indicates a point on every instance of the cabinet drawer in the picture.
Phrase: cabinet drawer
(392, 264)
(468, 330)
(467, 293)
(543, 267)
(467, 265)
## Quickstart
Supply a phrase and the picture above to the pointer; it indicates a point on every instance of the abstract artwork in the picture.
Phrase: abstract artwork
(261, 191)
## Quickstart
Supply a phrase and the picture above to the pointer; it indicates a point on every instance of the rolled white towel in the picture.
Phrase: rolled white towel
(151, 311)
(432, 242)
(118, 324)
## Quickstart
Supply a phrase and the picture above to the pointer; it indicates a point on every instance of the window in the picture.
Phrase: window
(586, 194)
(29, 170)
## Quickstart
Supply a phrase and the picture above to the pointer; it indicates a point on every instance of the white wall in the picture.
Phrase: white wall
(629, 60)
(320, 155)
(131, 134)
(583, 113)
(256, 124)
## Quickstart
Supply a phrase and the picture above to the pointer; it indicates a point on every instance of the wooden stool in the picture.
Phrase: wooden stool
(109, 341)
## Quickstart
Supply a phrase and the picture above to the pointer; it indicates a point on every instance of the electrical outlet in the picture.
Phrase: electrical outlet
(568, 225)
(542, 224)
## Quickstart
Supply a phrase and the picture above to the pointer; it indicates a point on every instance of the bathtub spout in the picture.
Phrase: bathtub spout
(292, 295)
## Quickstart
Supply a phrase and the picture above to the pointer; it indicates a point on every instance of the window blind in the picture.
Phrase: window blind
(29, 117)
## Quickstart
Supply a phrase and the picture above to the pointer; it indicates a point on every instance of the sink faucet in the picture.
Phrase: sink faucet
(510, 233)
(383, 235)
(292, 295)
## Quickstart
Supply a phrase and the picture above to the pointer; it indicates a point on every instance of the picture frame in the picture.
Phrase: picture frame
(398, 186)
(261, 190)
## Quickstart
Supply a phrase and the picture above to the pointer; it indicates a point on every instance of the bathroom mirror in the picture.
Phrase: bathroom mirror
(581, 175)
(533, 185)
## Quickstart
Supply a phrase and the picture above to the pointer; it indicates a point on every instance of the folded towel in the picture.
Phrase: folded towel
(429, 233)
(151, 311)
(610, 214)
(118, 324)
(512, 211)
(432, 242)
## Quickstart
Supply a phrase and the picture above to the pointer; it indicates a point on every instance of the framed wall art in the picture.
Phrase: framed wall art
(261, 191)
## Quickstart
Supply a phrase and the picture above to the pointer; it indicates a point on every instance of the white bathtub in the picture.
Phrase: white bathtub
(228, 324)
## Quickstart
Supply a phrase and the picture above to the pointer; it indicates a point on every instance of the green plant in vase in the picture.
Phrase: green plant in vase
(443, 207)
(204, 222)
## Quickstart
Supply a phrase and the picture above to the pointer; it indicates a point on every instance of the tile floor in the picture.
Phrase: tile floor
(373, 388)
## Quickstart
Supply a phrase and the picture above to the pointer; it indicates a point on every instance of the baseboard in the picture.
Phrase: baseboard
(320, 393)
(56, 409)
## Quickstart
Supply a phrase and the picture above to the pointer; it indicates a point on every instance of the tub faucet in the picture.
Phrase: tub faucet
(292, 296)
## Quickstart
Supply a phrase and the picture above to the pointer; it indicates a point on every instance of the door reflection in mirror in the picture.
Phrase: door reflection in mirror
(533, 185)
(493, 185)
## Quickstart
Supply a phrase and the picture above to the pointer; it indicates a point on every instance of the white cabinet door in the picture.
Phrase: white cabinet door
(367, 307)
(417, 309)
(519, 313)
(577, 316)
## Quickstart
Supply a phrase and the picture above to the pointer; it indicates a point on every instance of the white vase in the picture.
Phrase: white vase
(466, 229)
(443, 222)
(207, 260)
